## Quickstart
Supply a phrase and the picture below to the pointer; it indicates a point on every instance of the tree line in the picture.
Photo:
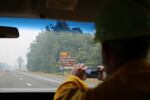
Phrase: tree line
(44, 51)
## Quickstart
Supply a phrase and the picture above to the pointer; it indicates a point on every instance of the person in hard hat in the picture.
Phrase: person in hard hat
(124, 32)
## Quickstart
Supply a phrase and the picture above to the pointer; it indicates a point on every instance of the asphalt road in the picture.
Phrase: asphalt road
(12, 81)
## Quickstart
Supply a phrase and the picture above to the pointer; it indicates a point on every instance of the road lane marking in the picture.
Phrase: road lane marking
(43, 78)
(28, 84)
(20, 78)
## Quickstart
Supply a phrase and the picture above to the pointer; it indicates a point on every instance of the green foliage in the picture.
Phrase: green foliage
(44, 52)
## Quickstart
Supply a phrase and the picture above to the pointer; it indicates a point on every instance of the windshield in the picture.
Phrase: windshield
(43, 55)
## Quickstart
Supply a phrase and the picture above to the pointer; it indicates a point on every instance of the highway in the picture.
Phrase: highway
(18, 81)
(15, 81)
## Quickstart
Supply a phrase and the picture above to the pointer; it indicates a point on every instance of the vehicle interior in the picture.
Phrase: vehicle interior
(56, 11)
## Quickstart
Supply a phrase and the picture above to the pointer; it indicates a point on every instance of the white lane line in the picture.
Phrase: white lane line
(28, 84)
(39, 77)
(20, 78)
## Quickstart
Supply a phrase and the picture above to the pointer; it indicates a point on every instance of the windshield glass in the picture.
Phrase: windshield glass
(43, 55)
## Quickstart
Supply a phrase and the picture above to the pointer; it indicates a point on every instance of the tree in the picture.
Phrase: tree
(77, 31)
(61, 26)
(20, 62)
(47, 28)
(44, 52)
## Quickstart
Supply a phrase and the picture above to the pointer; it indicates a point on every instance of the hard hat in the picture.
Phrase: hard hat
(121, 19)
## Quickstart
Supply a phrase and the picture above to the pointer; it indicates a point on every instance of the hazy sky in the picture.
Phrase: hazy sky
(11, 49)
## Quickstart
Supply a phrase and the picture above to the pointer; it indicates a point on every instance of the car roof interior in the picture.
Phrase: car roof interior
(80, 10)
(76, 10)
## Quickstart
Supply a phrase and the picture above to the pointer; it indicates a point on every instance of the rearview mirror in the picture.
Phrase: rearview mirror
(8, 32)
